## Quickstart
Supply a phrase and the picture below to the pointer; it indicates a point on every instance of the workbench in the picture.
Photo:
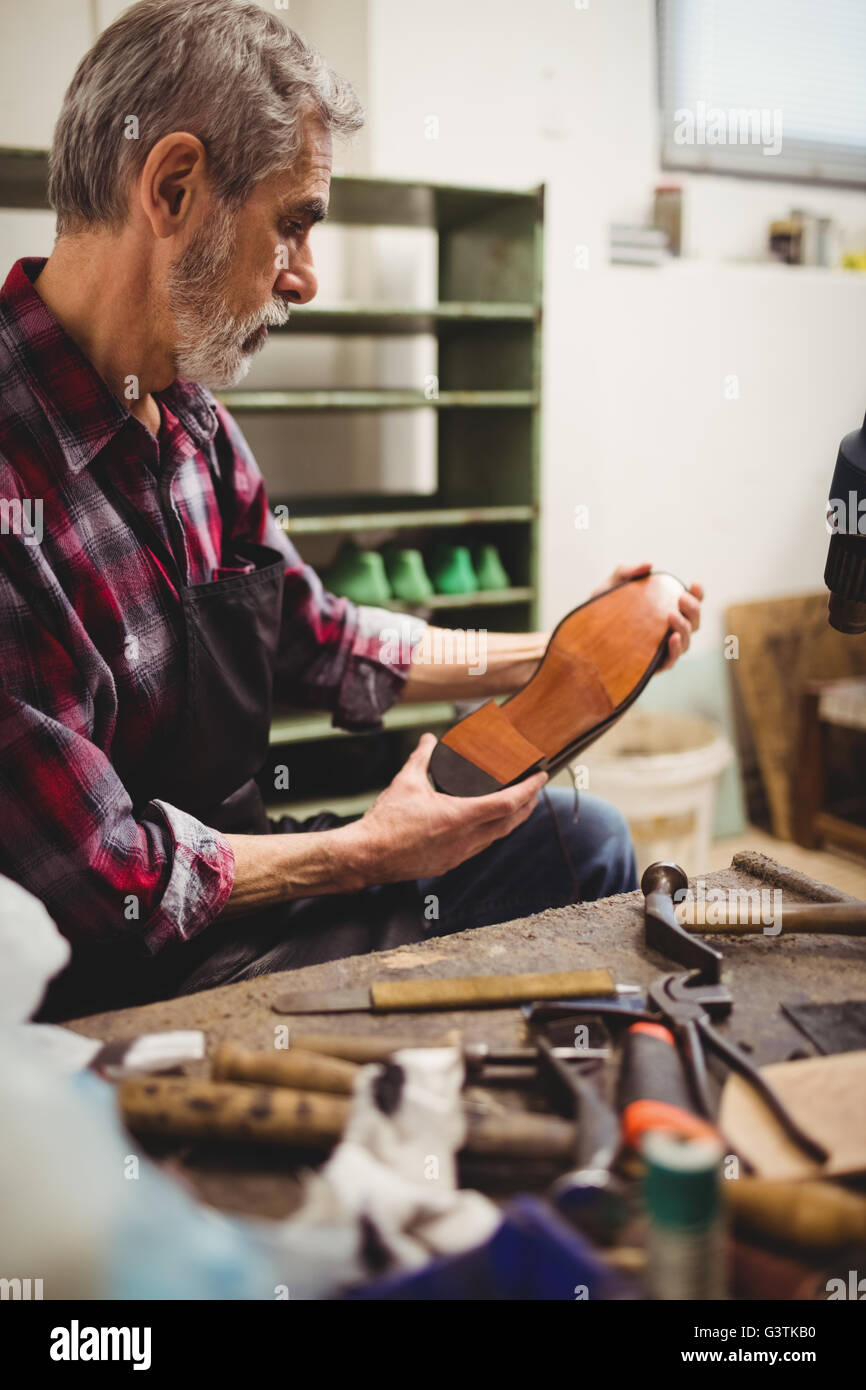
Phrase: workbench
(762, 971)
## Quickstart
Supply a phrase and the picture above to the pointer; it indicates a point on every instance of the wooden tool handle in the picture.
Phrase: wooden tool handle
(361, 1049)
(183, 1108)
(817, 1215)
(520, 1135)
(304, 1071)
(845, 919)
(177, 1107)
(489, 990)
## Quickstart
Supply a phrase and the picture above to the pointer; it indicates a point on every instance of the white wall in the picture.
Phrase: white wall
(637, 425)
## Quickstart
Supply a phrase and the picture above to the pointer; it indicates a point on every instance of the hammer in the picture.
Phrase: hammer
(662, 884)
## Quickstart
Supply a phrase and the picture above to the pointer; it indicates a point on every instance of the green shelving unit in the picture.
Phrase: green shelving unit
(487, 327)
(374, 400)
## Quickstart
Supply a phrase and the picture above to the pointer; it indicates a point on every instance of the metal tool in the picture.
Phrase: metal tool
(628, 1008)
(422, 993)
(662, 885)
(653, 1091)
(517, 1066)
(484, 1065)
(689, 1002)
(590, 1194)
(688, 1005)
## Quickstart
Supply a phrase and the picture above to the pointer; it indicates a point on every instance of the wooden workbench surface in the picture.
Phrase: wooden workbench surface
(762, 971)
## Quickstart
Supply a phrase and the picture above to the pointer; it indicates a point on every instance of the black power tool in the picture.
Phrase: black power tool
(845, 571)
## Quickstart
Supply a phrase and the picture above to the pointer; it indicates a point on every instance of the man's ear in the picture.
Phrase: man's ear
(172, 182)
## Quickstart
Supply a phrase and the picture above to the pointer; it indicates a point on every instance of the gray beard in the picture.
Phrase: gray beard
(209, 344)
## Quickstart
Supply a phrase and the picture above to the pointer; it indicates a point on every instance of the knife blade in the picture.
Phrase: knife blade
(482, 991)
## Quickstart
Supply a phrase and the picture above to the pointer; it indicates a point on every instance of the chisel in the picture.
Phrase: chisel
(481, 992)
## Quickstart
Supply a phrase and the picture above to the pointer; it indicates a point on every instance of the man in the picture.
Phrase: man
(146, 629)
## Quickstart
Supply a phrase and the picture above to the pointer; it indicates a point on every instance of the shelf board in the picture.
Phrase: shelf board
(367, 202)
(294, 726)
(340, 805)
(407, 519)
(481, 598)
(394, 318)
(375, 400)
(408, 203)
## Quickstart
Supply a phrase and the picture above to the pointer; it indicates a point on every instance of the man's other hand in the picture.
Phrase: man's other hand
(685, 619)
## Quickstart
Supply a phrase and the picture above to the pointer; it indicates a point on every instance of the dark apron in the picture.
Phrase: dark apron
(208, 767)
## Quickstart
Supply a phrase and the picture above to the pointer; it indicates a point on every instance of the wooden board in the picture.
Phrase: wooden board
(824, 1094)
(782, 644)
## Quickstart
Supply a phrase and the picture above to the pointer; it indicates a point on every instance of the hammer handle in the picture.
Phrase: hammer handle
(845, 919)
(817, 1215)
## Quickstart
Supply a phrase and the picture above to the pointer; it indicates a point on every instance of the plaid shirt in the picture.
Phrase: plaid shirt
(92, 670)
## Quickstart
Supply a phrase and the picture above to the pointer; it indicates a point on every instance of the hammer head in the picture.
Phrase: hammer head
(664, 877)
(660, 882)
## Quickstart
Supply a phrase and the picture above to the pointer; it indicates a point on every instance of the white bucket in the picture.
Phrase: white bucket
(661, 770)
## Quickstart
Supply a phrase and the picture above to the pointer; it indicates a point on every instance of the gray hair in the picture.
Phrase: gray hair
(224, 70)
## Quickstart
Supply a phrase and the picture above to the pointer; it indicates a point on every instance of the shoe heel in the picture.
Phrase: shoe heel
(483, 753)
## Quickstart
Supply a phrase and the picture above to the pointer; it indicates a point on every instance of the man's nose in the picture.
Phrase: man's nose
(299, 283)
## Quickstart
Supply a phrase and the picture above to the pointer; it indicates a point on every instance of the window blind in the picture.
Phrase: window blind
(773, 88)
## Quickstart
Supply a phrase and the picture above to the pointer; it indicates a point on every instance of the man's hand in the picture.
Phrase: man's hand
(413, 831)
(684, 620)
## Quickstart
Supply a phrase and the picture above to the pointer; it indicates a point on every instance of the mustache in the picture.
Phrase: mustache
(274, 315)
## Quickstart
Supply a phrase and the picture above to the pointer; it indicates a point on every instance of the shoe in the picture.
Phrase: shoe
(597, 662)
(407, 576)
(452, 571)
(359, 575)
(489, 569)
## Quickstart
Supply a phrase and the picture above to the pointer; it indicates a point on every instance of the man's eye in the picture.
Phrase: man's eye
(292, 229)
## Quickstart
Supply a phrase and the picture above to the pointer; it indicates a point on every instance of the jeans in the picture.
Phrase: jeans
(535, 867)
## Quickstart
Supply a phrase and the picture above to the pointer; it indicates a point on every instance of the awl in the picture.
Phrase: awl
(481, 992)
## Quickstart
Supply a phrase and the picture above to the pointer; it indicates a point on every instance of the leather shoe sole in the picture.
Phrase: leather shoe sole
(597, 662)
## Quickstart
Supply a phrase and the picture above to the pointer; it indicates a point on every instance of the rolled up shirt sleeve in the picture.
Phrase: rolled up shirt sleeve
(376, 666)
(351, 659)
